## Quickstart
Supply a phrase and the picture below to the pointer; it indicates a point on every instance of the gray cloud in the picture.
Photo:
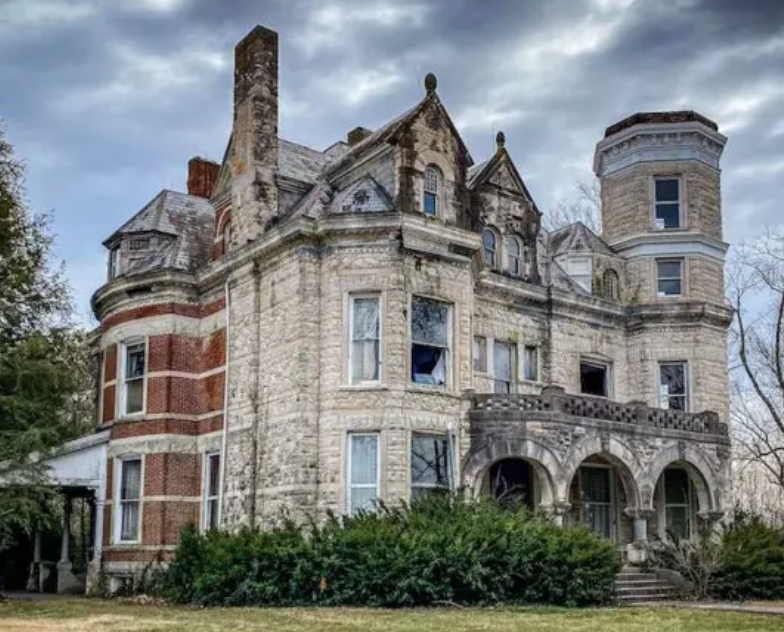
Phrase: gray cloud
(107, 101)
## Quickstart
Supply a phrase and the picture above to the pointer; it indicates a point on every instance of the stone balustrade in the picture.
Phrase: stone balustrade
(553, 400)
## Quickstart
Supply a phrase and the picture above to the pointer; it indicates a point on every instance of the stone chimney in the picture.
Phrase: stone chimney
(357, 135)
(254, 159)
(202, 176)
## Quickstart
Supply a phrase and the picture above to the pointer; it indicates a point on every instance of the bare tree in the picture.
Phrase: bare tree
(755, 290)
(584, 206)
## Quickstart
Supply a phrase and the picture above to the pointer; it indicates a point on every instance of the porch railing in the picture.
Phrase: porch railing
(555, 400)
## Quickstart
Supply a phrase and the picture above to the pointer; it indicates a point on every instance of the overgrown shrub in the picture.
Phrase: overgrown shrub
(440, 549)
(752, 560)
(697, 560)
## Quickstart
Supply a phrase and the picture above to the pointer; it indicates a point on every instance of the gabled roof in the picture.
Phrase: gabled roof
(577, 237)
(363, 196)
(482, 172)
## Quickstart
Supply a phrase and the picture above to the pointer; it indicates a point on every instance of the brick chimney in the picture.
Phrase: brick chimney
(202, 176)
(254, 159)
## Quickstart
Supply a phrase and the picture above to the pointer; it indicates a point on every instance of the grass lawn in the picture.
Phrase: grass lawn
(83, 615)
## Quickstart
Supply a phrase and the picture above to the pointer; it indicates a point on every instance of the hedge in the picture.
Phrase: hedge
(438, 550)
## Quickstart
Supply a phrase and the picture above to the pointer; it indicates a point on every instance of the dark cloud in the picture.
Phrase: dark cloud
(107, 101)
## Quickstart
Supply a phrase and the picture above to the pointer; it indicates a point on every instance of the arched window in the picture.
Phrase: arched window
(528, 262)
(431, 186)
(610, 285)
(491, 248)
(226, 237)
(514, 251)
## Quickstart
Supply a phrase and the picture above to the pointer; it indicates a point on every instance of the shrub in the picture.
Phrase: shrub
(752, 560)
(697, 560)
(439, 549)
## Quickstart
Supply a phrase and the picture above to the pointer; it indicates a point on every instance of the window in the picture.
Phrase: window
(431, 185)
(531, 363)
(133, 374)
(480, 354)
(514, 250)
(581, 271)
(596, 499)
(114, 262)
(138, 244)
(673, 386)
(364, 356)
(489, 241)
(429, 341)
(610, 285)
(503, 367)
(226, 237)
(677, 505)
(668, 203)
(669, 277)
(528, 262)
(430, 463)
(594, 378)
(129, 500)
(211, 486)
(363, 471)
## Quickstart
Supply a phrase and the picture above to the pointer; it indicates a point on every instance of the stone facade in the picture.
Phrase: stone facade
(499, 358)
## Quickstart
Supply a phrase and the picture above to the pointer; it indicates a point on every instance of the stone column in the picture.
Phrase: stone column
(66, 581)
(638, 550)
(34, 583)
(559, 510)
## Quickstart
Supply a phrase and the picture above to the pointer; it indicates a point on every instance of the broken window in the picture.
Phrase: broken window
(429, 341)
(480, 354)
(531, 363)
(491, 248)
(363, 471)
(430, 463)
(431, 185)
(133, 370)
(503, 367)
(364, 358)
(211, 490)
(673, 386)
(129, 498)
(594, 378)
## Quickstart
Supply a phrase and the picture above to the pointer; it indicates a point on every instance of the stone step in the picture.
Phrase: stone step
(641, 583)
(633, 577)
(646, 599)
(644, 590)
(635, 586)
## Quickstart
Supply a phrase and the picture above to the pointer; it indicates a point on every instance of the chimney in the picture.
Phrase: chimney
(358, 134)
(254, 160)
(202, 176)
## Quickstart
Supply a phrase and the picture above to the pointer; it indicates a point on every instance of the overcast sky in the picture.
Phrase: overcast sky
(106, 100)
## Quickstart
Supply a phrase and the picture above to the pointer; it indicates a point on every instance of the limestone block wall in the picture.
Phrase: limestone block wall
(703, 280)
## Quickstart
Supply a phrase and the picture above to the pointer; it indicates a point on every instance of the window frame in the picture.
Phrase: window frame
(536, 364)
(122, 399)
(512, 382)
(474, 356)
(489, 231)
(349, 467)
(608, 378)
(665, 506)
(611, 275)
(350, 354)
(681, 278)
(114, 262)
(118, 503)
(206, 497)
(436, 195)
(686, 381)
(611, 505)
(226, 234)
(519, 257)
(449, 461)
(448, 348)
(679, 202)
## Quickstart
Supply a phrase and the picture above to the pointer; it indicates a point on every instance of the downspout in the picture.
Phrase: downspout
(224, 438)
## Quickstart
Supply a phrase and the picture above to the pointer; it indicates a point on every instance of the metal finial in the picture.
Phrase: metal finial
(431, 83)
(500, 140)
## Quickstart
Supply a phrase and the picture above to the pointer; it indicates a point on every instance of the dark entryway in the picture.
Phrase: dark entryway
(512, 482)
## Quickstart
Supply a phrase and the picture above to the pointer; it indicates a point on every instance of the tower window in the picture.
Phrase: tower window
(514, 264)
(673, 386)
(669, 277)
(114, 262)
(668, 203)
(491, 248)
(432, 182)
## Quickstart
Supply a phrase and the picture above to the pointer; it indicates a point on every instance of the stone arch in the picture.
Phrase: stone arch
(545, 464)
(701, 474)
(615, 452)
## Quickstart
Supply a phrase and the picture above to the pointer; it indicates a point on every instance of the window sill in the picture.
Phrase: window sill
(432, 390)
(132, 416)
(125, 544)
(369, 386)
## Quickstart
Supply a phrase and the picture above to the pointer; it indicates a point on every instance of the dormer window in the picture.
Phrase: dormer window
(138, 244)
(668, 203)
(514, 252)
(431, 186)
(491, 248)
(114, 262)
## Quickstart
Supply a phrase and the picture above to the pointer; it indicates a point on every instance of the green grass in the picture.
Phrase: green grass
(83, 615)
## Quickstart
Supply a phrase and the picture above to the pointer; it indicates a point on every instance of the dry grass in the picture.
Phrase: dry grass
(82, 615)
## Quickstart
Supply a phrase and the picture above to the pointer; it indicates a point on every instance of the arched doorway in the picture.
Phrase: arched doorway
(676, 502)
(513, 482)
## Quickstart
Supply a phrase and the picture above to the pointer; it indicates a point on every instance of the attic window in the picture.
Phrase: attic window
(114, 262)
(138, 244)
(430, 200)
(514, 251)
(491, 248)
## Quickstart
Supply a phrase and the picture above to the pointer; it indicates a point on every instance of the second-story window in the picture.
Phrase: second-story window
(503, 367)
(364, 351)
(429, 341)
(668, 203)
(480, 354)
(514, 252)
(431, 189)
(134, 366)
(594, 378)
(531, 363)
(669, 277)
(673, 386)
(490, 244)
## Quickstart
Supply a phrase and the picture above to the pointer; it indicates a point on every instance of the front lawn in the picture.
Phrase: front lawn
(83, 615)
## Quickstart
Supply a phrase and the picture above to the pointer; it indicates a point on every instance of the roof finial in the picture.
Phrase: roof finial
(500, 140)
(431, 83)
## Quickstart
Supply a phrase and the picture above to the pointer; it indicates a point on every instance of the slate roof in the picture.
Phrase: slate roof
(299, 162)
(577, 237)
(363, 196)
